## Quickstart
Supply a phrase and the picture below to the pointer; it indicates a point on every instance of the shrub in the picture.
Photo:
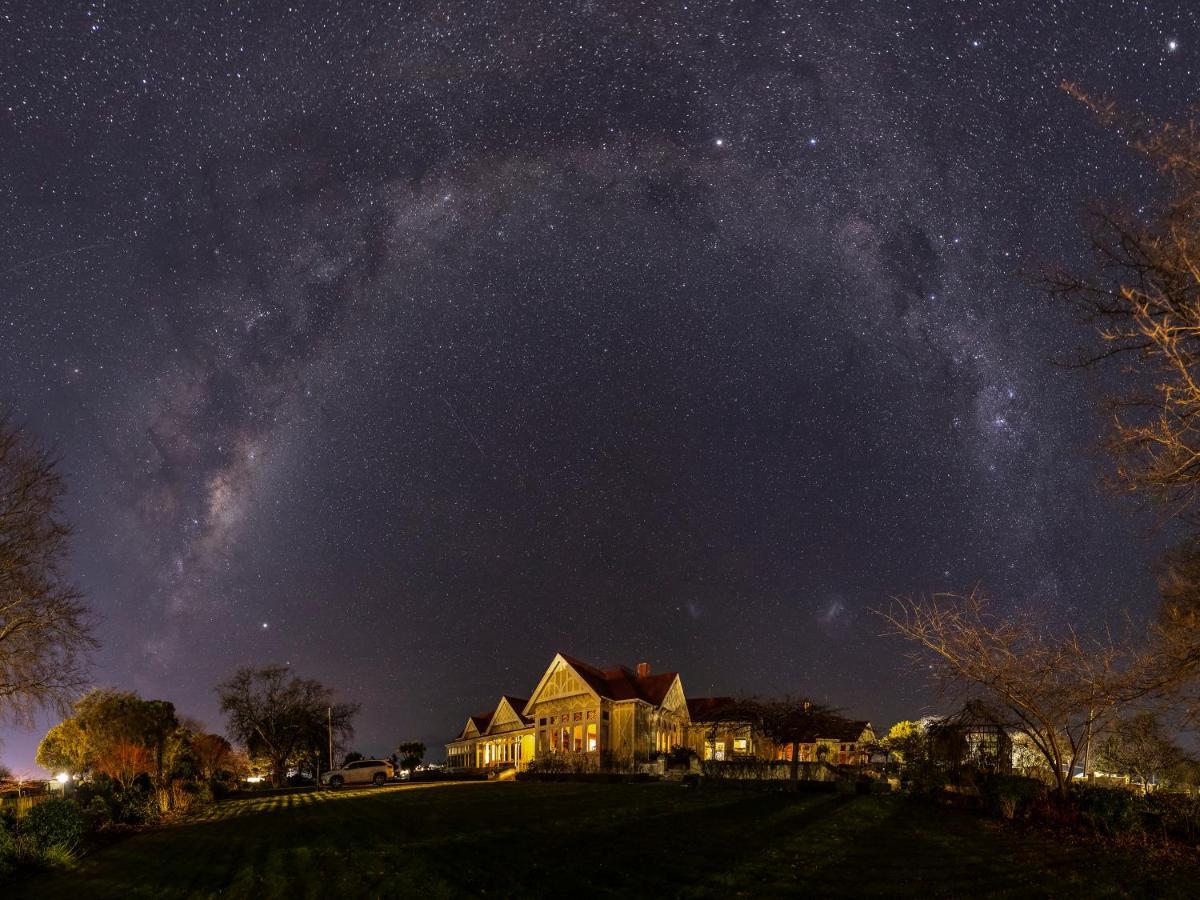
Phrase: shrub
(549, 764)
(55, 823)
(53, 856)
(1011, 796)
(134, 807)
(1111, 811)
(924, 778)
(1177, 814)
(8, 847)
(747, 767)
(681, 756)
(98, 811)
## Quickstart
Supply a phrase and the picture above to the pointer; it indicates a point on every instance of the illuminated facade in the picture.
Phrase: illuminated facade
(587, 717)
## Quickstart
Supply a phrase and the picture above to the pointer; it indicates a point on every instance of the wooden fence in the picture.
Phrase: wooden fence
(24, 804)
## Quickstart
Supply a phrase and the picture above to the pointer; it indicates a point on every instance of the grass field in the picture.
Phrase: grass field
(521, 839)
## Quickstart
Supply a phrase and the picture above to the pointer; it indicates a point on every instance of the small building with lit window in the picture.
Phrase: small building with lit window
(716, 733)
(846, 744)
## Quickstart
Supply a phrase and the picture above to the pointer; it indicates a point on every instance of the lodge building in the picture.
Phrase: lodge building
(619, 718)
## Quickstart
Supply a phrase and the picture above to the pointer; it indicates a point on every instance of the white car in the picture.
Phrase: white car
(363, 771)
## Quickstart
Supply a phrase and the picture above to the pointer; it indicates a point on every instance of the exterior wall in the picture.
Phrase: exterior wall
(503, 749)
(634, 732)
(669, 729)
(829, 750)
(726, 740)
(461, 754)
(513, 747)
(708, 740)
(625, 732)
(574, 724)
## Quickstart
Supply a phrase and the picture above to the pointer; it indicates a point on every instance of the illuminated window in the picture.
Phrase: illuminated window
(592, 743)
(719, 750)
(591, 714)
(740, 745)
(578, 745)
(579, 716)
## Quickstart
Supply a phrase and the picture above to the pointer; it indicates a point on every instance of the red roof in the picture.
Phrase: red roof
(707, 709)
(622, 683)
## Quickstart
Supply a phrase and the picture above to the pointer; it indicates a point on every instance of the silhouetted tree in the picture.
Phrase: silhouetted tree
(281, 717)
(411, 753)
(45, 635)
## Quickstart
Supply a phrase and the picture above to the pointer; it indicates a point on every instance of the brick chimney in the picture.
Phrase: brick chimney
(643, 670)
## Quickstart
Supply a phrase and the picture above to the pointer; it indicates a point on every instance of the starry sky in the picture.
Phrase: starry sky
(411, 343)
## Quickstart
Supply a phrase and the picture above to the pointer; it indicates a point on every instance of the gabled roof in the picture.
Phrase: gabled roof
(622, 683)
(516, 704)
(475, 726)
(481, 721)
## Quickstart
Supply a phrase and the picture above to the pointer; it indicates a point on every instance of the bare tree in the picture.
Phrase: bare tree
(1143, 301)
(45, 634)
(1055, 686)
(1176, 631)
(212, 752)
(1139, 746)
(282, 718)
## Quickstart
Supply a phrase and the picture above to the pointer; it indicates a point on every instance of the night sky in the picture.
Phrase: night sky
(412, 343)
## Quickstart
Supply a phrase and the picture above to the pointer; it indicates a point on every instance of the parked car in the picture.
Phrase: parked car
(362, 771)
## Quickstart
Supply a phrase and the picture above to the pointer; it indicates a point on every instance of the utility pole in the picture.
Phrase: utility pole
(329, 720)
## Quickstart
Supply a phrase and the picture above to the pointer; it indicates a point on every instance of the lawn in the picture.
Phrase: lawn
(521, 839)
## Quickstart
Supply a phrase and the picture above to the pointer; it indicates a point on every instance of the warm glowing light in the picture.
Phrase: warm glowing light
(62, 777)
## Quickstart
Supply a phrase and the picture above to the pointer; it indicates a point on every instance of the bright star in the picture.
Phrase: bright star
(1172, 45)
(720, 142)
(264, 624)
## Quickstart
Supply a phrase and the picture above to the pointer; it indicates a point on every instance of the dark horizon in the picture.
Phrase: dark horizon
(409, 348)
